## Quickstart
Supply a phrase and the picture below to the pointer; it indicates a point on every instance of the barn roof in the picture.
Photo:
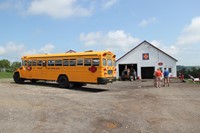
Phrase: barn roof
(150, 45)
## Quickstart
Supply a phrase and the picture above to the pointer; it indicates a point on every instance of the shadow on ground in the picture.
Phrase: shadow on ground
(55, 85)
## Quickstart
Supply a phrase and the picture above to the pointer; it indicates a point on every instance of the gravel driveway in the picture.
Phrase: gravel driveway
(120, 107)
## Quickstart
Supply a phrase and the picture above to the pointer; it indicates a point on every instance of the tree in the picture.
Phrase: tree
(193, 71)
(15, 65)
(4, 63)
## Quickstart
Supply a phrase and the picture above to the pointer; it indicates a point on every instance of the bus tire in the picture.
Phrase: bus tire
(63, 82)
(17, 78)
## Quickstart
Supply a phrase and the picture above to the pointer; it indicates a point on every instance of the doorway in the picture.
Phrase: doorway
(147, 72)
(122, 67)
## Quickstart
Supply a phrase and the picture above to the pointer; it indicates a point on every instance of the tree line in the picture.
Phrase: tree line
(193, 71)
(7, 66)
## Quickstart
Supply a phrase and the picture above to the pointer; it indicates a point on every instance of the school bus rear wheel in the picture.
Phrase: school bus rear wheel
(63, 82)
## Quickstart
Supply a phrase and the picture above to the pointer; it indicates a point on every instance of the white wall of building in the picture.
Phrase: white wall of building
(155, 56)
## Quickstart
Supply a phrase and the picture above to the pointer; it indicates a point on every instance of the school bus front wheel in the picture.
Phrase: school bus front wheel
(17, 78)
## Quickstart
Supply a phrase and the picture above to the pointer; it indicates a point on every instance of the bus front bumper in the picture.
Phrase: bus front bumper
(105, 80)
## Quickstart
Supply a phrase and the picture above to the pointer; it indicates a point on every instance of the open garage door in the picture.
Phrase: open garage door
(147, 72)
(127, 66)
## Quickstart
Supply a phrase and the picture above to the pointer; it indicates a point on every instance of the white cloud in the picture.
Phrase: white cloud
(108, 3)
(48, 48)
(5, 6)
(90, 39)
(169, 49)
(191, 33)
(146, 22)
(11, 47)
(113, 40)
(58, 8)
(2, 50)
(14, 51)
(12, 5)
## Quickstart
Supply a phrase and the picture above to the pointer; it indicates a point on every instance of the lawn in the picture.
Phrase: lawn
(6, 75)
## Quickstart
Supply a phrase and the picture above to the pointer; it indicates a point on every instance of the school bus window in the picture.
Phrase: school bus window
(104, 62)
(114, 63)
(39, 63)
(95, 62)
(34, 63)
(65, 63)
(79, 62)
(72, 62)
(44, 63)
(51, 62)
(29, 63)
(24, 63)
(109, 62)
(87, 62)
(58, 63)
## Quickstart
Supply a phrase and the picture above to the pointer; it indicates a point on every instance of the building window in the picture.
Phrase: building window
(145, 56)
(170, 70)
(161, 69)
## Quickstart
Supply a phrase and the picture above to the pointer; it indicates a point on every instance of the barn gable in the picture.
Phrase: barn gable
(145, 58)
(147, 43)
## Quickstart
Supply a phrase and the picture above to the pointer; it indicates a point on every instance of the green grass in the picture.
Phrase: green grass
(191, 82)
(6, 75)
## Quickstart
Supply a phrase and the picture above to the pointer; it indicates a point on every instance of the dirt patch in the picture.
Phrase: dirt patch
(123, 107)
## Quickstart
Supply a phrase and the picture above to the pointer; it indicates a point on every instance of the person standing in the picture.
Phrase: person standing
(166, 76)
(134, 74)
(131, 74)
(158, 75)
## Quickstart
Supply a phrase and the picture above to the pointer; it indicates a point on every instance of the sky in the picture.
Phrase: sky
(57, 26)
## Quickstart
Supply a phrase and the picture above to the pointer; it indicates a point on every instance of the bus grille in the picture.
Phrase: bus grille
(110, 72)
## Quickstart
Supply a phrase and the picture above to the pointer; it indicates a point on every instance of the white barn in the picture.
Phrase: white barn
(145, 58)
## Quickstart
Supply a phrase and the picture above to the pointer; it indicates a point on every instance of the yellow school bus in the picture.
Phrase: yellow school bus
(68, 68)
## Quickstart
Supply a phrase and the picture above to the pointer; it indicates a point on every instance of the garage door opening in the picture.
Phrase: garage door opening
(122, 67)
(147, 72)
